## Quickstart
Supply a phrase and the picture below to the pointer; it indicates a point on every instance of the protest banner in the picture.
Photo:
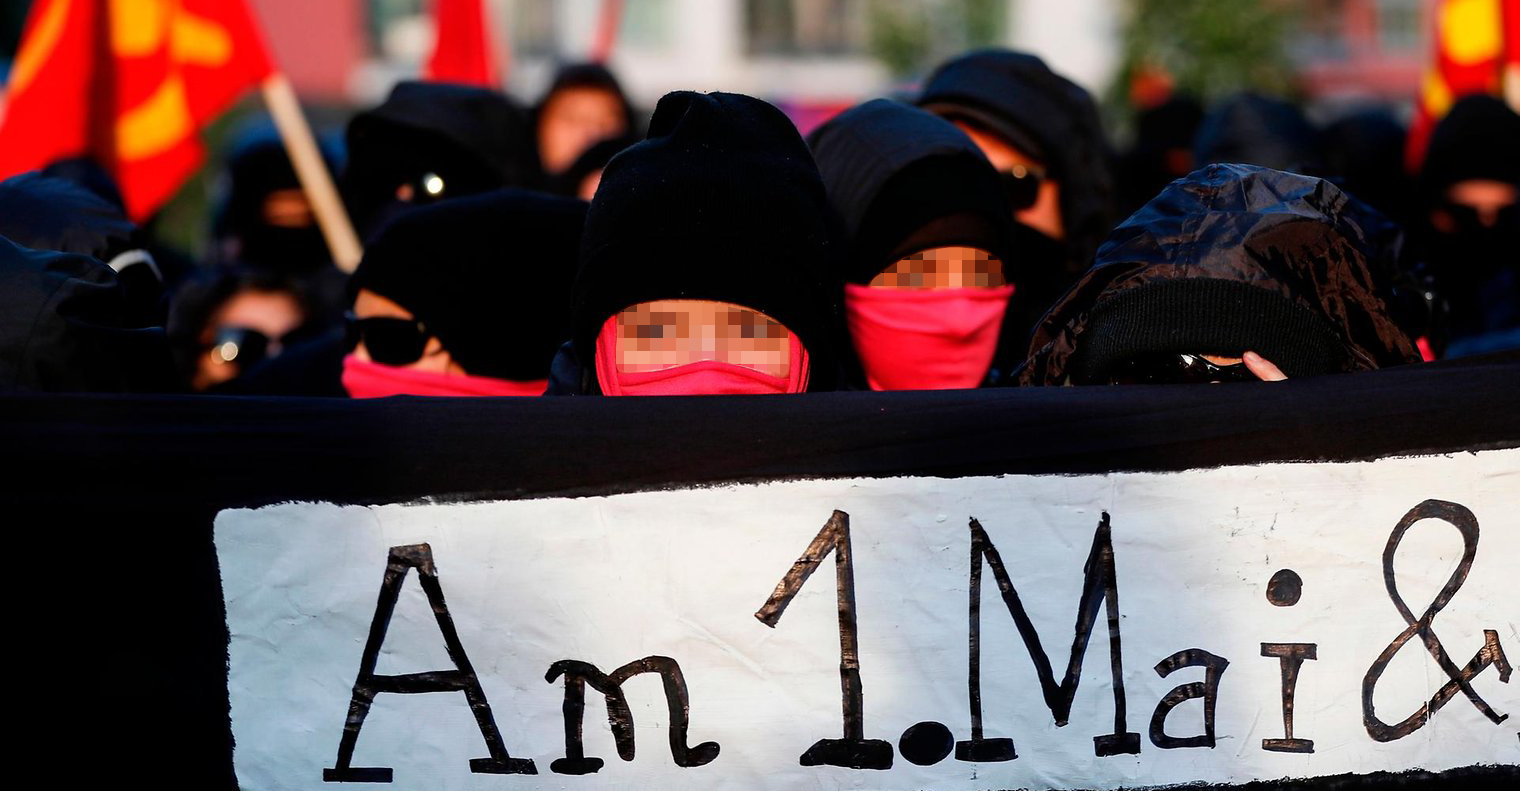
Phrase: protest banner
(1308, 584)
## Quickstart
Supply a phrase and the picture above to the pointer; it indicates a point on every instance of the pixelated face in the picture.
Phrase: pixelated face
(944, 267)
(653, 336)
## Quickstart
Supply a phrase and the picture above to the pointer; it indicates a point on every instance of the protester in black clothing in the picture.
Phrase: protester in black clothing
(468, 297)
(1162, 151)
(705, 260)
(431, 141)
(1364, 155)
(583, 106)
(930, 264)
(67, 324)
(1236, 273)
(1042, 132)
(229, 321)
(1469, 186)
(581, 179)
(1251, 129)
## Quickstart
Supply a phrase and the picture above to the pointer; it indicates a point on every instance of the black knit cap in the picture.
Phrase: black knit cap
(901, 181)
(473, 138)
(489, 275)
(721, 202)
(1478, 139)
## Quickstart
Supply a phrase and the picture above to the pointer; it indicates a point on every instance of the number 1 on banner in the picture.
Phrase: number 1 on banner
(854, 751)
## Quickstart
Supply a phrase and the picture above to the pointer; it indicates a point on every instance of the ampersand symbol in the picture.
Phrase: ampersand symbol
(1459, 678)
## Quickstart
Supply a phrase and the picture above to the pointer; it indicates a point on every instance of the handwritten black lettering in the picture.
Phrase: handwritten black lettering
(619, 716)
(1208, 689)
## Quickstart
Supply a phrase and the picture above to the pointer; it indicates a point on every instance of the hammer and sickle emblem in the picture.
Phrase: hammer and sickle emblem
(145, 28)
(1459, 679)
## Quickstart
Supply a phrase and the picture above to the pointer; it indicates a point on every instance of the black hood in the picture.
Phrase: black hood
(722, 202)
(891, 170)
(49, 213)
(473, 138)
(257, 167)
(67, 325)
(588, 75)
(1017, 96)
(489, 275)
(1476, 140)
(1364, 155)
(1251, 129)
(1231, 258)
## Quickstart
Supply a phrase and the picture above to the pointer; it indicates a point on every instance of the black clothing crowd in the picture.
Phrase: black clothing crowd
(981, 234)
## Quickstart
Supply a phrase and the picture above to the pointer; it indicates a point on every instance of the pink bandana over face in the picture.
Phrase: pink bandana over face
(703, 377)
(372, 380)
(925, 339)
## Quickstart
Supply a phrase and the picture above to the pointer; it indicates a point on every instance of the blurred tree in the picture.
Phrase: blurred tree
(912, 36)
(1208, 48)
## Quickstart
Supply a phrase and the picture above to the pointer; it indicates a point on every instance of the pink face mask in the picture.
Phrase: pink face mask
(372, 380)
(705, 377)
(925, 339)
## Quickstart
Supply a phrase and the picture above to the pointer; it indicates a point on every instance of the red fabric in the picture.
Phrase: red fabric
(925, 339)
(129, 83)
(463, 51)
(1457, 69)
(705, 377)
(372, 380)
(607, 31)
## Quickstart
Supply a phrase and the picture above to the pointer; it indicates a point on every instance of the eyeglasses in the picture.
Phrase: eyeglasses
(1160, 369)
(389, 340)
(1022, 184)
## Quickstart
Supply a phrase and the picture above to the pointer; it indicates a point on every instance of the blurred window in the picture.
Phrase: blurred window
(531, 27)
(1322, 32)
(646, 24)
(1398, 25)
(805, 27)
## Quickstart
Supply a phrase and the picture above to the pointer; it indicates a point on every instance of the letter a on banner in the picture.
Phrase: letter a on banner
(460, 679)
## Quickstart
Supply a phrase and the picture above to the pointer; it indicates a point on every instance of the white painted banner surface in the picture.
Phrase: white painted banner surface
(681, 574)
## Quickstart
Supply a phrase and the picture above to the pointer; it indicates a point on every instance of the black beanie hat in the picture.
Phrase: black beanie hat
(473, 138)
(722, 202)
(1478, 139)
(903, 180)
(489, 275)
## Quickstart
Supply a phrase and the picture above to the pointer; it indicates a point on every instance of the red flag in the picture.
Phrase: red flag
(463, 51)
(1473, 41)
(129, 83)
(607, 31)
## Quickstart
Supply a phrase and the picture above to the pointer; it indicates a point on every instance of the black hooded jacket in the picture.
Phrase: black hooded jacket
(489, 275)
(49, 213)
(1232, 258)
(900, 181)
(721, 202)
(1016, 96)
(67, 325)
(473, 138)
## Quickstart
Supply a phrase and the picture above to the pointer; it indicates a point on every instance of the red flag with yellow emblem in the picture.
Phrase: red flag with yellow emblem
(129, 83)
(1476, 43)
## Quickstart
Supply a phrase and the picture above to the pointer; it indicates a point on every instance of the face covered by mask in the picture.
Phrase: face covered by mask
(925, 339)
(697, 377)
(366, 379)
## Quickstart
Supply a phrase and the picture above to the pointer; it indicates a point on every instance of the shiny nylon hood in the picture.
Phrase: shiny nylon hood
(1291, 235)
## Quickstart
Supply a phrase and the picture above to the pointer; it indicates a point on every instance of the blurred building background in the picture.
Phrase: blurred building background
(806, 52)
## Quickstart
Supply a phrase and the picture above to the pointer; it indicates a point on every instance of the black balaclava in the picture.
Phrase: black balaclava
(1016, 96)
(721, 202)
(1229, 259)
(1251, 129)
(51, 213)
(901, 181)
(67, 325)
(489, 275)
(474, 139)
(1475, 267)
(257, 167)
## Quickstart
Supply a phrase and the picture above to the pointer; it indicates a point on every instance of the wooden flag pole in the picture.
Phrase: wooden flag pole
(333, 219)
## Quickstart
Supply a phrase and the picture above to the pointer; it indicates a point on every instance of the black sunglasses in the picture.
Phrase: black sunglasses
(389, 341)
(1022, 184)
(233, 345)
(1166, 369)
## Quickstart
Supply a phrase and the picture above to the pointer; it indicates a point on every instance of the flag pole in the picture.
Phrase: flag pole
(311, 170)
